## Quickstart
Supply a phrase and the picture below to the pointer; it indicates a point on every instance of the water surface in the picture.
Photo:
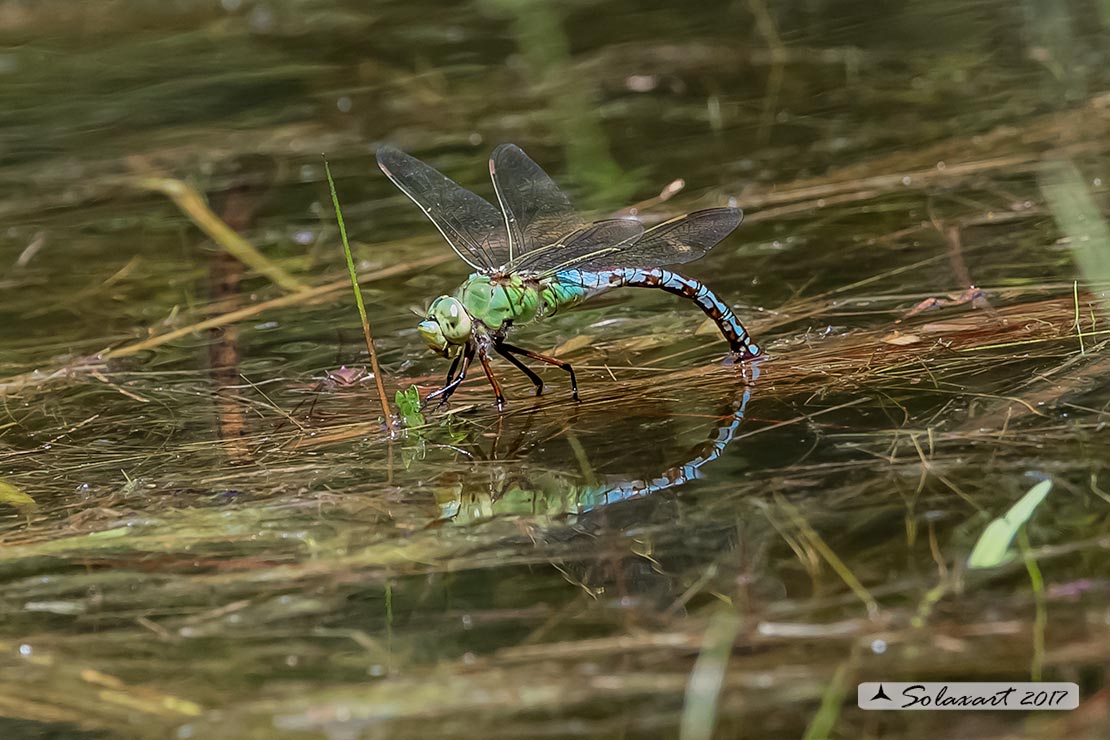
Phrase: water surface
(202, 540)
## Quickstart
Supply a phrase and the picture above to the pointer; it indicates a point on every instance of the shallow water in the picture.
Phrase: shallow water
(202, 539)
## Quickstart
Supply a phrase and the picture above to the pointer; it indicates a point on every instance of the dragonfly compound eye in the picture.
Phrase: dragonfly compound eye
(433, 336)
(452, 319)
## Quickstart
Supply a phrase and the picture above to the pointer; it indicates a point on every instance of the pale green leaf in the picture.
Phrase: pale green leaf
(993, 546)
(14, 496)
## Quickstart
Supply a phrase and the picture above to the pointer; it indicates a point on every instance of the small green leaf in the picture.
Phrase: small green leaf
(13, 496)
(993, 546)
(408, 404)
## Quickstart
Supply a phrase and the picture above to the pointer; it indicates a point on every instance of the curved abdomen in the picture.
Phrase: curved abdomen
(572, 287)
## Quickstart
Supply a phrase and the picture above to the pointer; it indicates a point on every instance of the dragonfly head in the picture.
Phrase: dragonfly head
(448, 326)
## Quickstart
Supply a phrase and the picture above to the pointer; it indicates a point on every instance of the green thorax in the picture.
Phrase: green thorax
(495, 300)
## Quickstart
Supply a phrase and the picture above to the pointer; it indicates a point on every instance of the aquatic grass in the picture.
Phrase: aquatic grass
(375, 367)
(1078, 325)
(1080, 218)
(55, 689)
(768, 29)
(193, 205)
(819, 546)
(1040, 618)
(699, 710)
(832, 701)
(956, 348)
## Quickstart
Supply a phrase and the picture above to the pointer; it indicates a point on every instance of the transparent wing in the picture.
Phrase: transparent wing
(674, 242)
(590, 241)
(537, 213)
(473, 227)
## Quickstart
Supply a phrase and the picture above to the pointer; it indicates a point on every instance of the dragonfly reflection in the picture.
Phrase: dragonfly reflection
(555, 497)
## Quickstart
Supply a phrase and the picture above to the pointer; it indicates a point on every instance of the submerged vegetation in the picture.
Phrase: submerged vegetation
(207, 531)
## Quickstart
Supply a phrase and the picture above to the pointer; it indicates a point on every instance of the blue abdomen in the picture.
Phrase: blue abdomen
(569, 288)
(574, 286)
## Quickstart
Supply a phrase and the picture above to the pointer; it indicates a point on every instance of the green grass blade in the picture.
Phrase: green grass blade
(358, 300)
(699, 712)
(1080, 219)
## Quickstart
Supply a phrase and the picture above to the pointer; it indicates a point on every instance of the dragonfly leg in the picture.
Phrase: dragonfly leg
(499, 348)
(562, 364)
(451, 370)
(492, 381)
(445, 392)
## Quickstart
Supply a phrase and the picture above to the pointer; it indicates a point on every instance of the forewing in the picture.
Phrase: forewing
(591, 242)
(472, 226)
(537, 213)
(674, 242)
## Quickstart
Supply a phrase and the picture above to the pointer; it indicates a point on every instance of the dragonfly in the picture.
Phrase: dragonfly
(534, 256)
